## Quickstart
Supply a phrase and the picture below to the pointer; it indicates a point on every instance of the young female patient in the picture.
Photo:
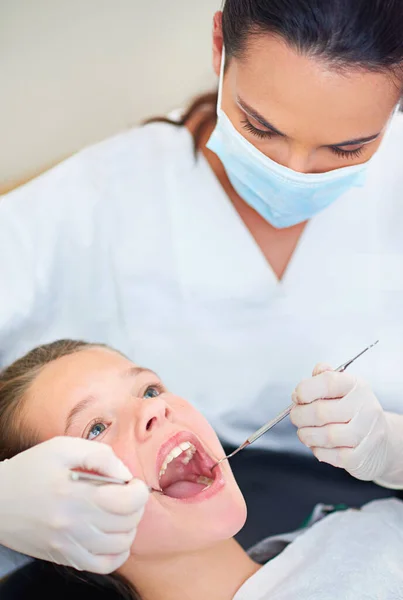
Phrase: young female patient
(184, 547)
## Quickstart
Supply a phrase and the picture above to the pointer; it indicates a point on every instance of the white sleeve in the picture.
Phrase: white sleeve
(19, 289)
(18, 276)
(35, 223)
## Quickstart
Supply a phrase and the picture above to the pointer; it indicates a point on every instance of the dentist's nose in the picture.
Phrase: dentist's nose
(298, 162)
(295, 157)
(152, 415)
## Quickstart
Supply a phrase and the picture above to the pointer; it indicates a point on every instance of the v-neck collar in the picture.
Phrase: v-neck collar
(216, 254)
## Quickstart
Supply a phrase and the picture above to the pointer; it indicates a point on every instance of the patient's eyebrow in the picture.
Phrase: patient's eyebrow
(134, 371)
(88, 400)
(77, 409)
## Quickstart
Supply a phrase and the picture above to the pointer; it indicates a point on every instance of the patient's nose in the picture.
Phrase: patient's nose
(153, 414)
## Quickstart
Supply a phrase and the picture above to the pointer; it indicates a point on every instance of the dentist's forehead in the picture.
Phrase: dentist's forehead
(305, 97)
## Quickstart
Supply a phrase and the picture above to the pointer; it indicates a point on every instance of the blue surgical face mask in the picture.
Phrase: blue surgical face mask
(280, 195)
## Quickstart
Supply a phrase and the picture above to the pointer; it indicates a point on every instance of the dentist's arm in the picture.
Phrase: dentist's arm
(341, 420)
(44, 514)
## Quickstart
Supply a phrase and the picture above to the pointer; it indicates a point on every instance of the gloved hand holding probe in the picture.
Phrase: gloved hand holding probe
(44, 514)
(341, 420)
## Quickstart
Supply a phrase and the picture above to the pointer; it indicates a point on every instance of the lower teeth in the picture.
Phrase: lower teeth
(205, 481)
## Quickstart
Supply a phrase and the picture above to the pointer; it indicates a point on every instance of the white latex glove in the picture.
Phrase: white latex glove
(341, 420)
(44, 514)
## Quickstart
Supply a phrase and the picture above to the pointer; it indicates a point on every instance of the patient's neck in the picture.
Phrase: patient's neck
(215, 573)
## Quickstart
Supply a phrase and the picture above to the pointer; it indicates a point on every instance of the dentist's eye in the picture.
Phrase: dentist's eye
(95, 430)
(153, 391)
(260, 133)
(347, 153)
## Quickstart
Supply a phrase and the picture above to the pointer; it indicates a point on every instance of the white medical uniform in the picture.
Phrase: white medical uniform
(134, 243)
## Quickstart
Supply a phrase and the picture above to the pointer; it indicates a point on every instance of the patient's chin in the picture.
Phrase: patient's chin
(175, 527)
(233, 518)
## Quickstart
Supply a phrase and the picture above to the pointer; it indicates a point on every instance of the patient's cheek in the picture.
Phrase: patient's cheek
(205, 432)
(129, 458)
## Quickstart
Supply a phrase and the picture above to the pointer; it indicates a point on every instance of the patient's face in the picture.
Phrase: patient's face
(99, 395)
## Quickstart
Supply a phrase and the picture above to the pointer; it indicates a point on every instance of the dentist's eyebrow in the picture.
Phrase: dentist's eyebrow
(358, 142)
(265, 123)
(255, 115)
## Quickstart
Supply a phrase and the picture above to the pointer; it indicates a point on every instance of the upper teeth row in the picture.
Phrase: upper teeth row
(186, 447)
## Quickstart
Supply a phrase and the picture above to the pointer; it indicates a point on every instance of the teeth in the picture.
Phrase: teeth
(189, 455)
(205, 481)
(176, 452)
(184, 447)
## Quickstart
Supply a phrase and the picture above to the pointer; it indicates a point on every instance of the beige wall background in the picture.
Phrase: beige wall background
(76, 71)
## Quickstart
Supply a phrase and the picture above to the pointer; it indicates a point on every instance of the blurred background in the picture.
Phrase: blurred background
(74, 72)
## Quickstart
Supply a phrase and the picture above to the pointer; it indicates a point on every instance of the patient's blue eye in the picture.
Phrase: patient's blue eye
(96, 430)
(152, 391)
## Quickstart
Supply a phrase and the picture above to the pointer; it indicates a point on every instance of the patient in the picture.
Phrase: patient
(184, 548)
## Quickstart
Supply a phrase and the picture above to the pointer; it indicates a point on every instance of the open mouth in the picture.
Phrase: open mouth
(184, 469)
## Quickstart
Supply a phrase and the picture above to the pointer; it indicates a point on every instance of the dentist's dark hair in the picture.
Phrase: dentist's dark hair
(16, 437)
(344, 34)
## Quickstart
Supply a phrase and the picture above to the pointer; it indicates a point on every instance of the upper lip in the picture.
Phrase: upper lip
(179, 438)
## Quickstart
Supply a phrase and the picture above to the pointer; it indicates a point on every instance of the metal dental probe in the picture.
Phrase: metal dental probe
(102, 480)
(270, 424)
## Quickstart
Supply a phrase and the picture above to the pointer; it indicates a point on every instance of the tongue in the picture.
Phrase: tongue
(183, 489)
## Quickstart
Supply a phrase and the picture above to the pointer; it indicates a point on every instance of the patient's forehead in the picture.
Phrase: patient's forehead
(63, 383)
(84, 365)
